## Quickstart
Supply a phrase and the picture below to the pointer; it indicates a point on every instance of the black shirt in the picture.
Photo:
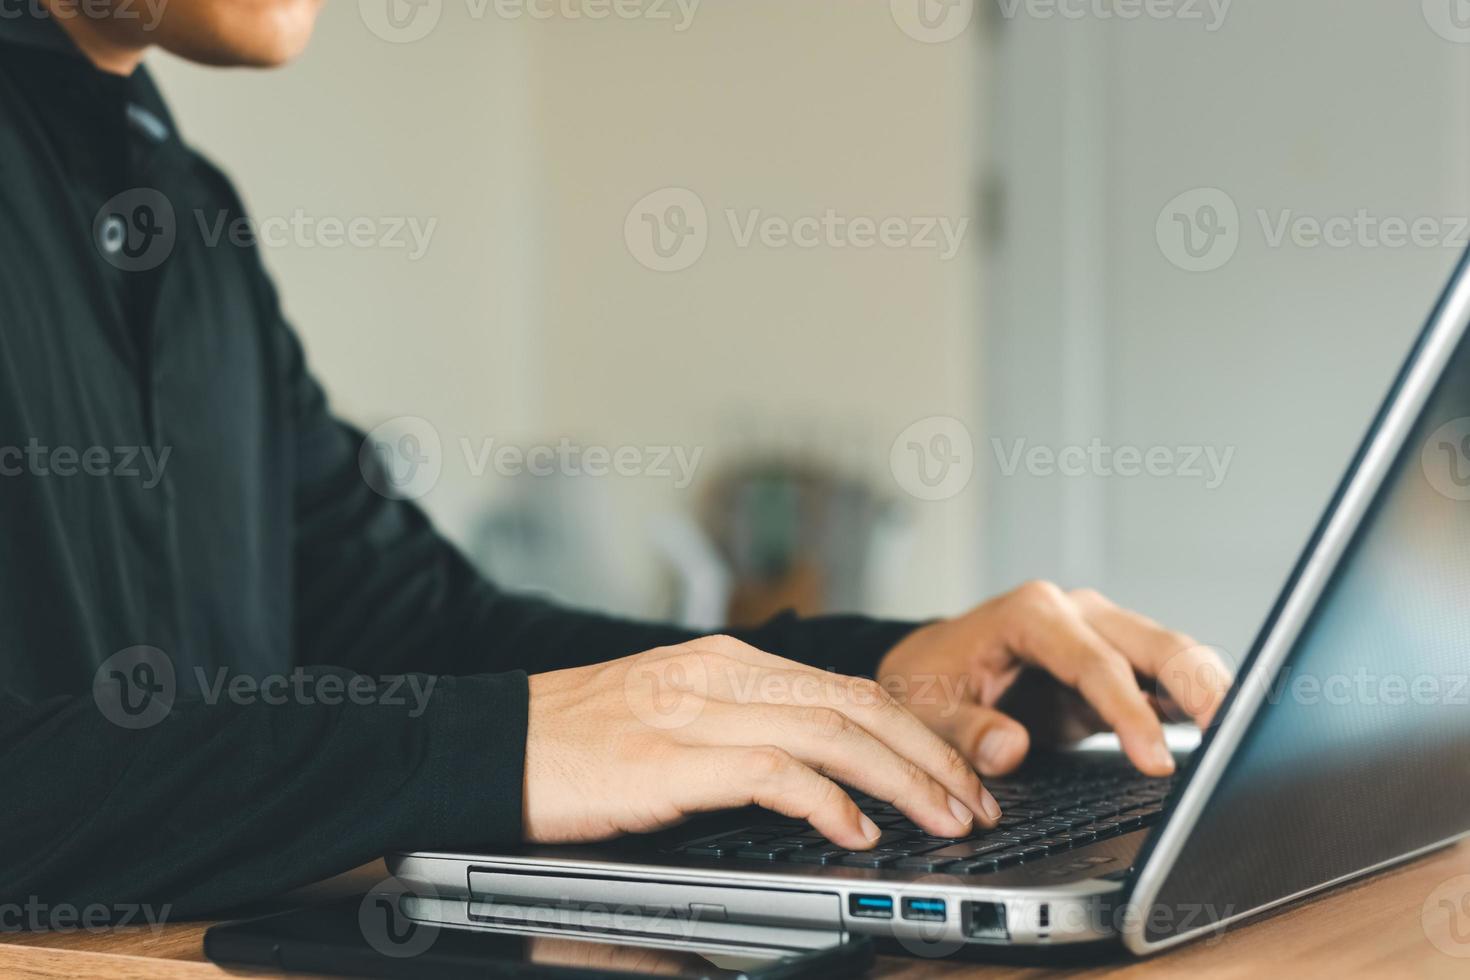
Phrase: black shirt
(171, 478)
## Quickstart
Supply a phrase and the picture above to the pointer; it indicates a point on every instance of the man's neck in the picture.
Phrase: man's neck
(91, 37)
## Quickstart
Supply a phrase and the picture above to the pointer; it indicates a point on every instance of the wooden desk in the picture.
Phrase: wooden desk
(1397, 924)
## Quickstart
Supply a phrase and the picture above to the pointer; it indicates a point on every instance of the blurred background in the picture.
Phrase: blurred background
(883, 305)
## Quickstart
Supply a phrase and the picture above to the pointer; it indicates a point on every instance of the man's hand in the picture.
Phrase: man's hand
(644, 742)
(952, 674)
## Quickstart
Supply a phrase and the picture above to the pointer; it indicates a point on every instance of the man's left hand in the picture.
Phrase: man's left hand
(1111, 668)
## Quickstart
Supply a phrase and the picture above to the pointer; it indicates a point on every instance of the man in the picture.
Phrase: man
(259, 551)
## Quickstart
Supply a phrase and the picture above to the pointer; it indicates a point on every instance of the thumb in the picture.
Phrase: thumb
(994, 742)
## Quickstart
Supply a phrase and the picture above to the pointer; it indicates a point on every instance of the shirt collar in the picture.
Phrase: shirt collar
(28, 24)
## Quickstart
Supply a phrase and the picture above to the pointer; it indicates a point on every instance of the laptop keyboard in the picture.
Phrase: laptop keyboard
(1049, 810)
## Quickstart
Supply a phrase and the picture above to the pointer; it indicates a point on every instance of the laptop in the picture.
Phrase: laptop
(1343, 748)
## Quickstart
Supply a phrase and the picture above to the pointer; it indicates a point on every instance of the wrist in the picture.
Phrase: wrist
(908, 650)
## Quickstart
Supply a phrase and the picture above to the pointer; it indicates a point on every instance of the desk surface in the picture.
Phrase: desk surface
(1410, 921)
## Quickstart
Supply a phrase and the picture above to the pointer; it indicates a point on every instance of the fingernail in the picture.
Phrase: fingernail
(1162, 758)
(988, 804)
(961, 812)
(869, 828)
(996, 747)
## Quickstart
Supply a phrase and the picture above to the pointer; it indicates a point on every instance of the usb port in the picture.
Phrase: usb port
(924, 909)
(870, 906)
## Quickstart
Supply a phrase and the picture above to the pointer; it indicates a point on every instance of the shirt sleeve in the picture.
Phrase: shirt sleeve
(220, 803)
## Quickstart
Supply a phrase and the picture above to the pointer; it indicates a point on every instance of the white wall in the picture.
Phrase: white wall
(529, 319)
(1318, 107)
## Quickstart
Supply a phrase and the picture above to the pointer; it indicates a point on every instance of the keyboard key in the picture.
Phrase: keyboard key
(742, 840)
(872, 859)
(762, 853)
(937, 841)
(967, 850)
(817, 855)
(923, 862)
(888, 819)
(983, 865)
(1140, 817)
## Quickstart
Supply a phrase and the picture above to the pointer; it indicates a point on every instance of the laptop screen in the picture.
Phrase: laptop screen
(1360, 751)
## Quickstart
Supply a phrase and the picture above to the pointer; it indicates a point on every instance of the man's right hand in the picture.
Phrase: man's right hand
(642, 743)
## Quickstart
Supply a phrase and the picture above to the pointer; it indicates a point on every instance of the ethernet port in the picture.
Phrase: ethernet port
(984, 920)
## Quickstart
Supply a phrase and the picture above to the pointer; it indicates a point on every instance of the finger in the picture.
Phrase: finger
(994, 742)
(868, 704)
(1046, 628)
(780, 681)
(1195, 677)
(724, 778)
(835, 746)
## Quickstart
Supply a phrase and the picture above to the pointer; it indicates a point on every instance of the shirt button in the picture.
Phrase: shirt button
(111, 234)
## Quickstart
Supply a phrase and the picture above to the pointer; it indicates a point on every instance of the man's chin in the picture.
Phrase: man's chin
(252, 41)
(234, 56)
